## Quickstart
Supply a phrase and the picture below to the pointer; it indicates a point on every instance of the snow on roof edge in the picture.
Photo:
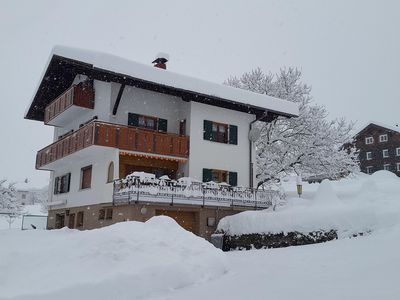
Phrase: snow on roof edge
(147, 72)
(393, 128)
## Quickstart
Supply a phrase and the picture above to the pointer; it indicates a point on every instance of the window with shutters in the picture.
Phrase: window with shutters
(86, 177)
(147, 122)
(219, 132)
(62, 183)
(220, 176)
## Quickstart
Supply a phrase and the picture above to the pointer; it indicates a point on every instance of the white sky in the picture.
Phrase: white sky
(348, 51)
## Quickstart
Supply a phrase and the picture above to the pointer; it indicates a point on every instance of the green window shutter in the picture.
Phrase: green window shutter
(233, 176)
(233, 134)
(133, 119)
(207, 131)
(68, 181)
(207, 175)
(56, 180)
(162, 125)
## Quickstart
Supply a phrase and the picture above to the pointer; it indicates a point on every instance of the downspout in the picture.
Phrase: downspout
(251, 164)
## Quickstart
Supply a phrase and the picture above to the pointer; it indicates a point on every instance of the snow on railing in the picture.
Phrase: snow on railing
(138, 189)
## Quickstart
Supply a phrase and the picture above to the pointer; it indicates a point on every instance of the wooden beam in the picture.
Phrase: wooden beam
(118, 100)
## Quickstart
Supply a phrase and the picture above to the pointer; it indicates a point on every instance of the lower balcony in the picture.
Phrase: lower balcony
(117, 136)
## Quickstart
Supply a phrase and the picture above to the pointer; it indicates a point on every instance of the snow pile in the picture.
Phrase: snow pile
(130, 260)
(360, 204)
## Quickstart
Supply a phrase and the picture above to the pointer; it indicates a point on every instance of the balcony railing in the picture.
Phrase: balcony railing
(81, 95)
(132, 190)
(116, 136)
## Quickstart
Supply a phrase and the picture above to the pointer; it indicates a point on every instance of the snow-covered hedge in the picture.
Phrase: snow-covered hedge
(354, 205)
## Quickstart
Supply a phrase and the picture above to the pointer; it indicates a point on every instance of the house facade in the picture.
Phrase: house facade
(379, 148)
(113, 117)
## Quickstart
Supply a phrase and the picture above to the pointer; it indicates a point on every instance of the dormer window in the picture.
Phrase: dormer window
(383, 138)
(369, 140)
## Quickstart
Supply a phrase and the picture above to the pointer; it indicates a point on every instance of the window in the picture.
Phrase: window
(147, 122)
(220, 176)
(398, 151)
(398, 167)
(385, 153)
(79, 219)
(86, 177)
(62, 183)
(222, 133)
(23, 196)
(110, 172)
(386, 167)
(105, 214)
(383, 138)
(369, 170)
(369, 140)
(369, 155)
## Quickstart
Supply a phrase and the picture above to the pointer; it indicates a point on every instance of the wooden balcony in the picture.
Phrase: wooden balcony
(81, 95)
(117, 136)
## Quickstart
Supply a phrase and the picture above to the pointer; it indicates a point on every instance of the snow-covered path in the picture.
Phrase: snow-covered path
(360, 268)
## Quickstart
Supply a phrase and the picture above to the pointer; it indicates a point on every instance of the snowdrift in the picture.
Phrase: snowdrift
(359, 204)
(130, 260)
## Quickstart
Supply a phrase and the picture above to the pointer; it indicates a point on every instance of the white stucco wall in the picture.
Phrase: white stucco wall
(214, 155)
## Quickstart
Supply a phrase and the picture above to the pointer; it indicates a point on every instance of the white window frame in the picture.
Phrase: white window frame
(369, 156)
(398, 151)
(369, 140)
(369, 169)
(383, 153)
(383, 138)
(398, 167)
(386, 167)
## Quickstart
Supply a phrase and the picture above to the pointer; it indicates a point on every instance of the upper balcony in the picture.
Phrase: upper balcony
(77, 99)
(117, 136)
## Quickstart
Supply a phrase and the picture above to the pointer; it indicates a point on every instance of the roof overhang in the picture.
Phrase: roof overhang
(61, 70)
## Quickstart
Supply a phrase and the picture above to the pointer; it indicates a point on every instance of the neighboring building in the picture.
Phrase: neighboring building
(112, 117)
(379, 148)
(26, 195)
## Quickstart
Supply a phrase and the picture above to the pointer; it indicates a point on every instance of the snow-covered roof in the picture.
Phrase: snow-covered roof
(148, 73)
(393, 128)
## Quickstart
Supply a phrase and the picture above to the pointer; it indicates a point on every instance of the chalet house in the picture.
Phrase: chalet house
(113, 117)
(379, 148)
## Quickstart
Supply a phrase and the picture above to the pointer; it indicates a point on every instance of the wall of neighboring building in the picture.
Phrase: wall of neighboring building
(376, 148)
(214, 155)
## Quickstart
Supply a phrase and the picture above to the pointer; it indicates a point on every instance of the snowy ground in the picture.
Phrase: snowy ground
(159, 260)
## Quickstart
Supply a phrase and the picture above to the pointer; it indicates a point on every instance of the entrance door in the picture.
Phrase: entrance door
(186, 219)
(60, 221)
(71, 221)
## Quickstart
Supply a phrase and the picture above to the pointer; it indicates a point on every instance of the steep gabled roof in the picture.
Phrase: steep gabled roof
(378, 124)
(64, 63)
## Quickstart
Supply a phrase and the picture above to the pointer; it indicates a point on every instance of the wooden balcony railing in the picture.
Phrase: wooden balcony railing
(80, 95)
(116, 136)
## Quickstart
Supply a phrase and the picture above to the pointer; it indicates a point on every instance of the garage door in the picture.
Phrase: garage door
(186, 219)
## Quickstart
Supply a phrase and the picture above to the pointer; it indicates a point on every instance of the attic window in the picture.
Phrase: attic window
(383, 138)
(369, 140)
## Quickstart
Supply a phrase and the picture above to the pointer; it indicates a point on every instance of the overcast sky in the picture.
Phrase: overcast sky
(348, 52)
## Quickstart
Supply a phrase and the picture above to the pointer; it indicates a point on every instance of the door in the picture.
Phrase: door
(186, 219)
(60, 219)
(71, 221)
(182, 127)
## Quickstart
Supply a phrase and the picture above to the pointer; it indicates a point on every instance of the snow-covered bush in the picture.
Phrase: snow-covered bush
(10, 208)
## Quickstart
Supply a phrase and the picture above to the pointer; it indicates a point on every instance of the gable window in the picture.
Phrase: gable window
(86, 177)
(62, 183)
(386, 167)
(369, 140)
(385, 153)
(79, 219)
(369, 170)
(147, 122)
(110, 172)
(369, 155)
(219, 132)
(398, 151)
(220, 176)
(383, 138)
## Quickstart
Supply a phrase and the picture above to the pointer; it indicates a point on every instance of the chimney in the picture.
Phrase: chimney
(161, 60)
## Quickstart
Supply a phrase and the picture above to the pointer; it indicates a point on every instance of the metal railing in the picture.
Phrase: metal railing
(133, 190)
